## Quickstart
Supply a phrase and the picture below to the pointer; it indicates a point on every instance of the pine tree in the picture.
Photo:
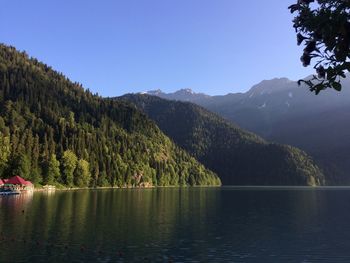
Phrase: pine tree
(23, 167)
(5, 150)
(49, 123)
(82, 174)
(53, 171)
(69, 163)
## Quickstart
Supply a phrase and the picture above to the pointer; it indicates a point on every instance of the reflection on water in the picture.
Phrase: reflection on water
(17, 201)
(174, 224)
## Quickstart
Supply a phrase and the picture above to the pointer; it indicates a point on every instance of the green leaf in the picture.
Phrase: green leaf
(317, 88)
(336, 86)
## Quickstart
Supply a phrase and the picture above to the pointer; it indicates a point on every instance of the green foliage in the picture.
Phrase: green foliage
(47, 118)
(82, 174)
(237, 156)
(53, 171)
(69, 163)
(324, 28)
(5, 151)
(22, 167)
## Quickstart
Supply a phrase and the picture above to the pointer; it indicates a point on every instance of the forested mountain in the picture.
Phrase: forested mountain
(281, 111)
(237, 156)
(52, 131)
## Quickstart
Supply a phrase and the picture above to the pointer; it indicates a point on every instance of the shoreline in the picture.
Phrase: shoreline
(116, 187)
(237, 187)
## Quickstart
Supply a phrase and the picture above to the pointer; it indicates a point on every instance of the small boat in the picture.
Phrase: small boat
(9, 192)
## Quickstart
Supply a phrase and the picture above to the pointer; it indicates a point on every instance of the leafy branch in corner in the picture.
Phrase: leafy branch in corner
(323, 27)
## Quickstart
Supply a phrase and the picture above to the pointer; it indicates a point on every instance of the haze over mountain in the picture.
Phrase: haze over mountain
(237, 156)
(279, 110)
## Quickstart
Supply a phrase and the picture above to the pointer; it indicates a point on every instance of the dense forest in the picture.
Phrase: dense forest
(281, 111)
(52, 131)
(237, 156)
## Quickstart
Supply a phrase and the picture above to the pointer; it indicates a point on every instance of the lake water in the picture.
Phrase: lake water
(177, 225)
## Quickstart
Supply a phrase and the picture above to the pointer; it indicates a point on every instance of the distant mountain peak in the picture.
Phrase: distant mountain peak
(153, 92)
(272, 85)
(186, 94)
(282, 80)
(184, 91)
(264, 87)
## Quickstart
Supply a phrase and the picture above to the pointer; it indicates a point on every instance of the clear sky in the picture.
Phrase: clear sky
(118, 46)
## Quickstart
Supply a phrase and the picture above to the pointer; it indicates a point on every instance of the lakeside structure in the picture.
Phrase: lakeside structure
(15, 184)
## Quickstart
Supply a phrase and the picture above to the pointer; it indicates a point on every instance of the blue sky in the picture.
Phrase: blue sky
(114, 47)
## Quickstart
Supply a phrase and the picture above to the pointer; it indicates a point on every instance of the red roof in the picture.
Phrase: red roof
(17, 180)
(1, 182)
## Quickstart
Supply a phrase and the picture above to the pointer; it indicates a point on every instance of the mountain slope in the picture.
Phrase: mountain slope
(48, 123)
(293, 115)
(281, 111)
(237, 156)
(182, 94)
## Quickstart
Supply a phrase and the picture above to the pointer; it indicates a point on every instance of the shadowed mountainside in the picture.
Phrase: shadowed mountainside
(281, 111)
(237, 156)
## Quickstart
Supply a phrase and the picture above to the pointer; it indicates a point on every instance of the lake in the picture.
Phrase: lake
(228, 224)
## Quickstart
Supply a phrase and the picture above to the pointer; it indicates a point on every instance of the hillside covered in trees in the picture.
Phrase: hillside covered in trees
(237, 156)
(52, 131)
(281, 111)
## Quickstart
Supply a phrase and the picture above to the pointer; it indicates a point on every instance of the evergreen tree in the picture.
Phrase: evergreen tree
(53, 171)
(22, 167)
(5, 150)
(49, 122)
(69, 163)
(82, 174)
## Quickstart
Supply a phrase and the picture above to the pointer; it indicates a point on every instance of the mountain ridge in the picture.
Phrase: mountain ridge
(280, 110)
(55, 132)
(190, 92)
(239, 157)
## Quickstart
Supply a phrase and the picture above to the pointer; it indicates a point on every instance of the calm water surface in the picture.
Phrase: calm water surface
(177, 225)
